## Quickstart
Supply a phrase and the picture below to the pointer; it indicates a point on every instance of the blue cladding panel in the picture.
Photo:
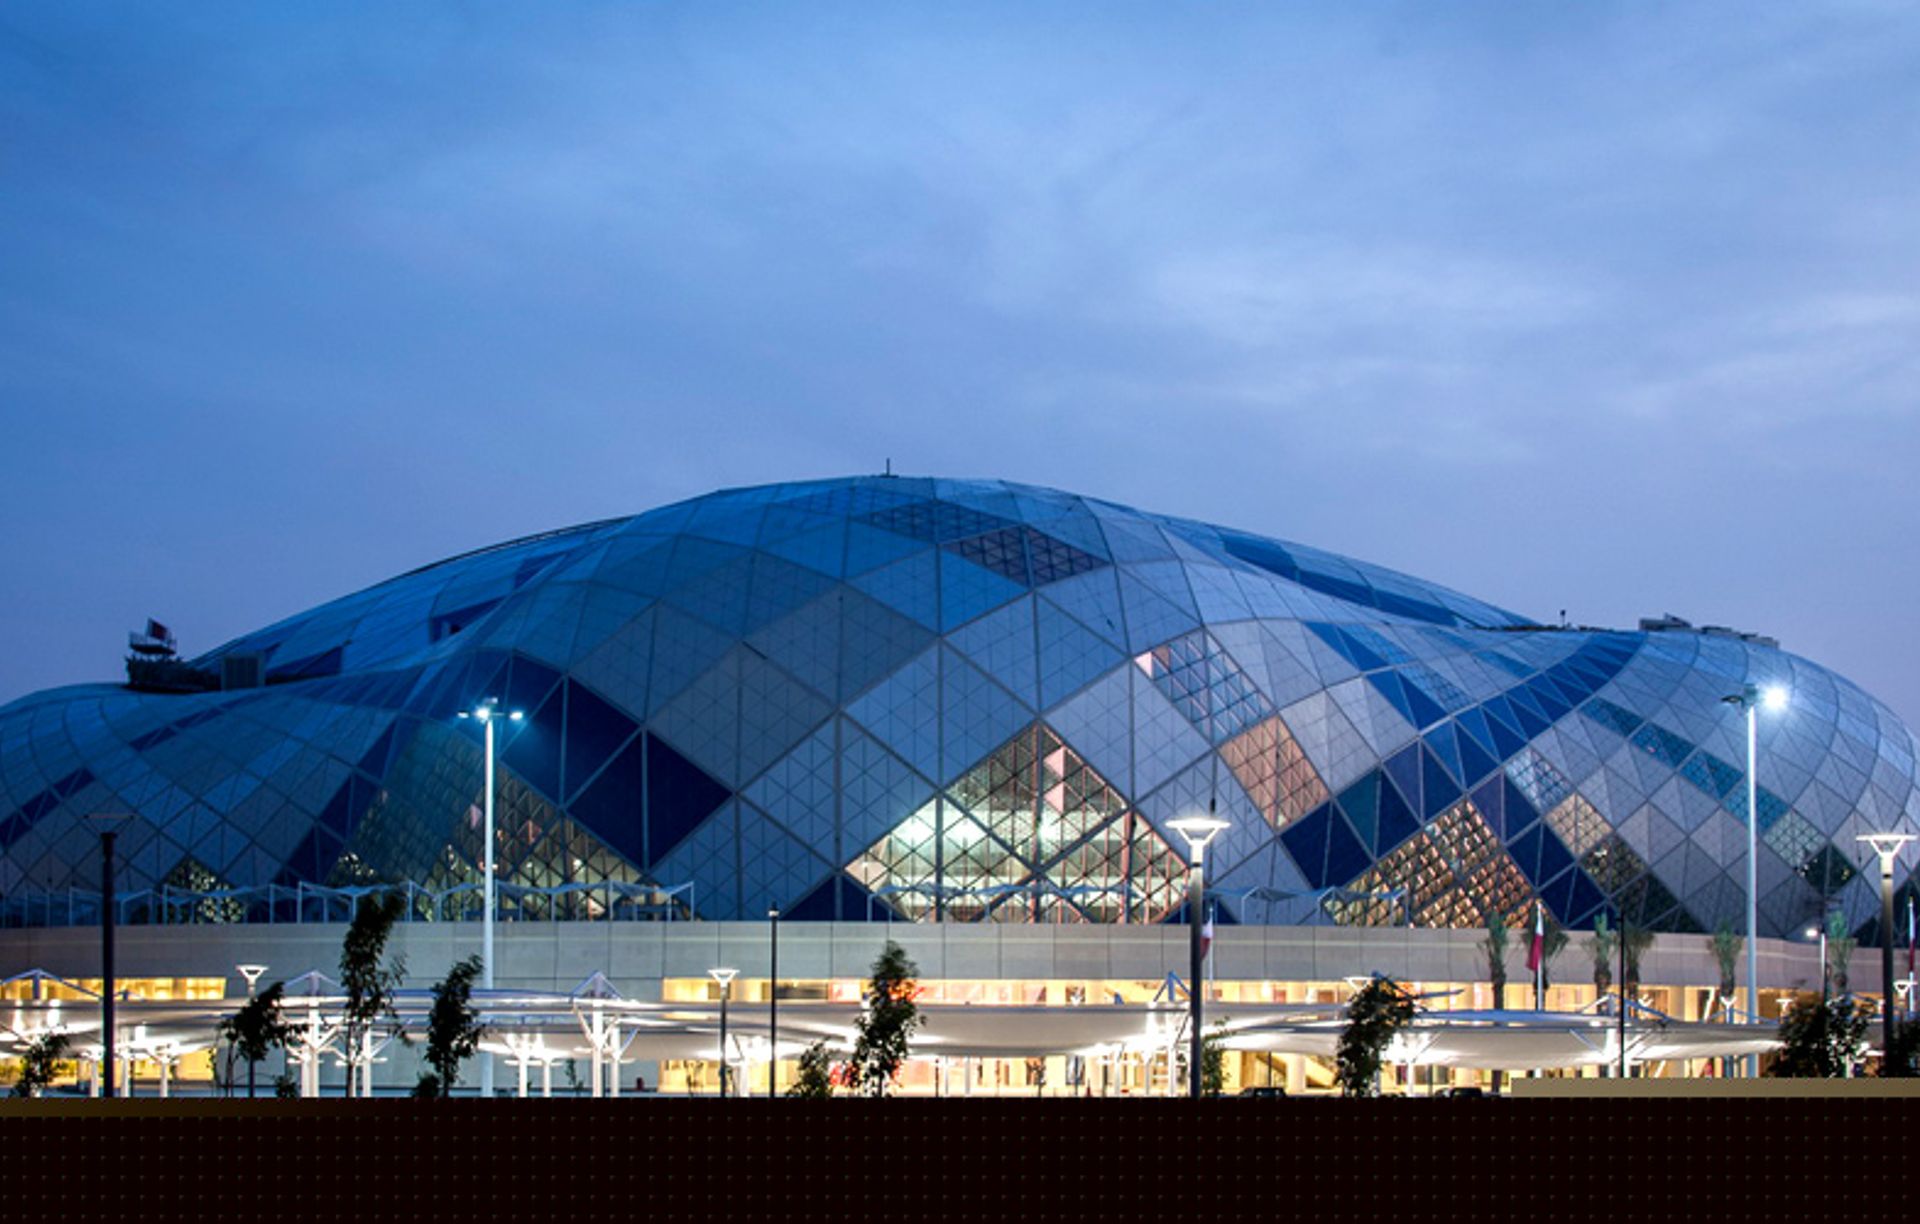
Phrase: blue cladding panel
(1397, 822)
(1306, 842)
(594, 730)
(1347, 857)
(611, 808)
(679, 797)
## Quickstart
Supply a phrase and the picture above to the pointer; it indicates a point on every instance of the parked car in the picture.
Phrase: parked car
(1264, 1090)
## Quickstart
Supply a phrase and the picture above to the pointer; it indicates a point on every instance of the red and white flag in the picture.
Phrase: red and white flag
(1537, 950)
(1206, 935)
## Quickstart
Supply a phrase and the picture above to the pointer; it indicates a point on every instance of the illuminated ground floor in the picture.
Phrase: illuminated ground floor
(1012, 1010)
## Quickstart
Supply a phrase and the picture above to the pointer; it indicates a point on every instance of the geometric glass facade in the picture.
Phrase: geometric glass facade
(967, 701)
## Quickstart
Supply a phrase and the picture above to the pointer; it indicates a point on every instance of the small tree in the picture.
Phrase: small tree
(1213, 1062)
(1840, 946)
(884, 1030)
(1638, 941)
(39, 1064)
(256, 1030)
(368, 984)
(1727, 946)
(453, 1030)
(1378, 1010)
(1602, 946)
(815, 1078)
(1494, 944)
(1821, 1038)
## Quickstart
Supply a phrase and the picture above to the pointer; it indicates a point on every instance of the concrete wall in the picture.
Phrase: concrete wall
(636, 956)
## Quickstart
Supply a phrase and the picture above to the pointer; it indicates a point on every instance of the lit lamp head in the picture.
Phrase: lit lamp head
(1773, 697)
(252, 974)
(1886, 845)
(489, 710)
(1198, 829)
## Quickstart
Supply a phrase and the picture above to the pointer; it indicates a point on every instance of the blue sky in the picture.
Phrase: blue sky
(1610, 308)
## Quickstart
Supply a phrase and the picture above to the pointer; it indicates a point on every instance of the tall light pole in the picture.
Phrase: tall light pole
(725, 978)
(488, 713)
(109, 825)
(1887, 846)
(1198, 830)
(773, 1001)
(1750, 698)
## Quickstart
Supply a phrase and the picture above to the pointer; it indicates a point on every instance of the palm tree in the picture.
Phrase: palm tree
(1727, 944)
(1494, 944)
(1602, 946)
(1638, 941)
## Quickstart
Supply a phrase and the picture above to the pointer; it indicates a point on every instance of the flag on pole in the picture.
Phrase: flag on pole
(1206, 935)
(1909, 936)
(1536, 951)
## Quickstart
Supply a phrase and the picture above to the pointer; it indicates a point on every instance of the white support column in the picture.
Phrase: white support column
(546, 1078)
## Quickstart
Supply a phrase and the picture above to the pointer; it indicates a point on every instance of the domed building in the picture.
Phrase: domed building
(954, 702)
(971, 701)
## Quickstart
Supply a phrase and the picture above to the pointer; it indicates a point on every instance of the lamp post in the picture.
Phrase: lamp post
(1887, 846)
(1750, 698)
(1198, 830)
(725, 978)
(252, 973)
(773, 1001)
(488, 713)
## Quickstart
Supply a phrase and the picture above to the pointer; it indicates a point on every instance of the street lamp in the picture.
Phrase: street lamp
(252, 973)
(725, 978)
(1198, 830)
(773, 1001)
(1750, 698)
(488, 713)
(1887, 846)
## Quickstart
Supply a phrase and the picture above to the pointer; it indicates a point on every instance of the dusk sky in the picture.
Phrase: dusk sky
(1609, 308)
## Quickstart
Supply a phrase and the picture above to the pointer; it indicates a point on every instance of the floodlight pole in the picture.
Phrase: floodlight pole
(773, 1002)
(1198, 831)
(107, 1023)
(1750, 698)
(1887, 846)
(487, 712)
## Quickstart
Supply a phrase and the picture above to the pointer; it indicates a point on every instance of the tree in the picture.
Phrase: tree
(1840, 947)
(1379, 1009)
(453, 1030)
(815, 1080)
(1638, 941)
(1821, 1038)
(1494, 944)
(368, 984)
(1727, 946)
(884, 1030)
(256, 1030)
(1602, 946)
(39, 1063)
